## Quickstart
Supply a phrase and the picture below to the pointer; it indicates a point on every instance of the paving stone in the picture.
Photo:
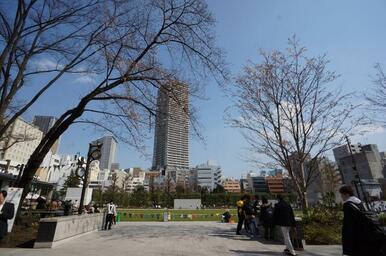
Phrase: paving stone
(168, 238)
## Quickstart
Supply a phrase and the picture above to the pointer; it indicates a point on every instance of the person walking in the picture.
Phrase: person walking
(7, 212)
(111, 211)
(240, 213)
(360, 235)
(266, 218)
(283, 216)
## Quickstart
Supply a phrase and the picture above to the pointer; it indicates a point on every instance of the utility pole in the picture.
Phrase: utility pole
(357, 176)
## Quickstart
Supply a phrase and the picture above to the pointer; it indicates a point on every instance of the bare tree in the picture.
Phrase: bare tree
(376, 98)
(150, 45)
(288, 112)
(331, 177)
(41, 39)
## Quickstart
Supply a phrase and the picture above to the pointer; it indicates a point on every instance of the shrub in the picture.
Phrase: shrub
(323, 223)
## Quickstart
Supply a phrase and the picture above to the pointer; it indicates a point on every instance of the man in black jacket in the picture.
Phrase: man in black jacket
(7, 211)
(356, 241)
(283, 216)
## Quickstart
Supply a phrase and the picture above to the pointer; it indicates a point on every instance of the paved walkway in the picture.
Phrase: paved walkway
(168, 238)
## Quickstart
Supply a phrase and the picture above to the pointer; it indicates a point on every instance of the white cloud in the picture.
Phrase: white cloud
(86, 78)
(369, 129)
(46, 64)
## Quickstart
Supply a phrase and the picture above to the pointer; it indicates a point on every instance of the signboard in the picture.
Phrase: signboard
(13, 196)
(191, 204)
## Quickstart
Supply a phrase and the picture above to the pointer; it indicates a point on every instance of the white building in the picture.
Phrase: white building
(208, 175)
(29, 138)
(50, 166)
(134, 181)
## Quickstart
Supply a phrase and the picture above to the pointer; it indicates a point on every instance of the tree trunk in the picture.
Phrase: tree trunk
(45, 145)
(304, 202)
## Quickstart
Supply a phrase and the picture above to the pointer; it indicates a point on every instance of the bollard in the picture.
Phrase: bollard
(165, 216)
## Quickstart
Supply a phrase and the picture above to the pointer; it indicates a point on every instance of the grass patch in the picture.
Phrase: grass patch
(173, 215)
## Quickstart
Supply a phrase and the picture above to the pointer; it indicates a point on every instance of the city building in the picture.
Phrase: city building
(207, 175)
(103, 180)
(232, 186)
(50, 165)
(369, 165)
(154, 181)
(257, 183)
(275, 183)
(67, 164)
(20, 141)
(45, 123)
(171, 139)
(120, 178)
(135, 181)
(109, 148)
(244, 185)
(115, 166)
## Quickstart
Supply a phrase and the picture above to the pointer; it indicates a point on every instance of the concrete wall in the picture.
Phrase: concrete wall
(53, 231)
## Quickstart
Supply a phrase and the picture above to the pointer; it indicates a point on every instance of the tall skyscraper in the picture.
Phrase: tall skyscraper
(108, 151)
(45, 123)
(171, 140)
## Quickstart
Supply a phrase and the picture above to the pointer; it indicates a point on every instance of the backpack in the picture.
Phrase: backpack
(249, 209)
(267, 217)
(269, 212)
(371, 227)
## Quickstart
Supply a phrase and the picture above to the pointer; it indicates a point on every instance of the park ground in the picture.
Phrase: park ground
(168, 238)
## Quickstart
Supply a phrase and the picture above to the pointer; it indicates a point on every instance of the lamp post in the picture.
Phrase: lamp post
(357, 176)
(94, 153)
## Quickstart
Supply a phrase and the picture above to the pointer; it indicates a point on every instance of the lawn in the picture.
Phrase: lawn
(173, 215)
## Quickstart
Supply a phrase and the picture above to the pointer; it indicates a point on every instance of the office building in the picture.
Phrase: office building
(20, 141)
(171, 139)
(232, 186)
(207, 175)
(275, 183)
(109, 148)
(368, 162)
(45, 123)
(256, 183)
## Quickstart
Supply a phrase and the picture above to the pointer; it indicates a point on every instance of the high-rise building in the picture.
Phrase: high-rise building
(45, 123)
(368, 162)
(171, 140)
(108, 150)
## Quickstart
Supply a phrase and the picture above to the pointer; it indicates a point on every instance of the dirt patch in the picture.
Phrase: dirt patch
(22, 236)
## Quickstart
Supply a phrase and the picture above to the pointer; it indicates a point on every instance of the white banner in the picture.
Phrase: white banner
(14, 196)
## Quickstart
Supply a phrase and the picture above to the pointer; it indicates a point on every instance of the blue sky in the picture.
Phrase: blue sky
(350, 32)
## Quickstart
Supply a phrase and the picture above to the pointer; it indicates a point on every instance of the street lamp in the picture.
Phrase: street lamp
(356, 174)
(94, 153)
